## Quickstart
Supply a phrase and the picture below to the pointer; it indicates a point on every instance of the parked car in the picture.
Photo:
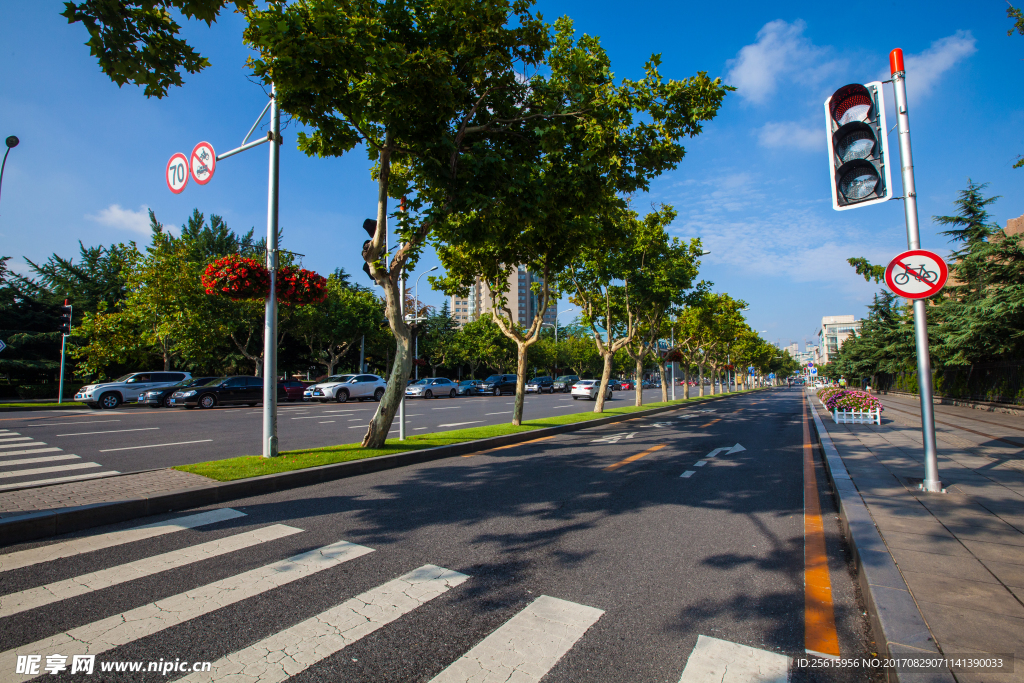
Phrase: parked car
(615, 385)
(498, 385)
(239, 389)
(627, 385)
(432, 387)
(588, 388)
(341, 388)
(157, 398)
(565, 382)
(469, 387)
(540, 385)
(126, 389)
(293, 389)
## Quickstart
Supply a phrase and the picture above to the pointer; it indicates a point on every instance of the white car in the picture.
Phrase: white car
(341, 388)
(588, 388)
(432, 387)
(126, 389)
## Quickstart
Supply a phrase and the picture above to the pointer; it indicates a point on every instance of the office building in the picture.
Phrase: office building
(521, 299)
(835, 329)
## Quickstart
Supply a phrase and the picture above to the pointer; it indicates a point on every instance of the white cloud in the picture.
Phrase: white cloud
(925, 69)
(789, 135)
(124, 219)
(781, 51)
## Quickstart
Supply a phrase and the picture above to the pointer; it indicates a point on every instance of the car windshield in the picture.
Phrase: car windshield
(585, 382)
(534, 380)
(493, 378)
(123, 378)
(339, 378)
(467, 382)
(565, 378)
(419, 382)
(212, 382)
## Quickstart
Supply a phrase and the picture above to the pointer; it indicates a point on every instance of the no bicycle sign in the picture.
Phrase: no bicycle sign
(916, 274)
(203, 162)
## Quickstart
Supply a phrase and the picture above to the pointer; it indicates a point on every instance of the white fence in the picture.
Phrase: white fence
(858, 416)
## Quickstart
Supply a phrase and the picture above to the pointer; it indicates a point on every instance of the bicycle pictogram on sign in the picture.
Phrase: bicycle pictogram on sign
(203, 162)
(916, 274)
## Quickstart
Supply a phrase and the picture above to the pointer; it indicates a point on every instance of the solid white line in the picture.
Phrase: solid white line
(720, 661)
(358, 427)
(32, 598)
(447, 408)
(113, 431)
(459, 424)
(87, 544)
(307, 417)
(59, 480)
(288, 652)
(153, 445)
(326, 422)
(525, 647)
(21, 444)
(56, 424)
(126, 627)
(13, 436)
(29, 461)
(568, 406)
(687, 474)
(361, 419)
(507, 412)
(52, 449)
(47, 470)
(415, 429)
(14, 443)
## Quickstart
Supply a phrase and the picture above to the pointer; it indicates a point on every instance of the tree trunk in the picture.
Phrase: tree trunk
(664, 379)
(606, 374)
(517, 411)
(377, 430)
(700, 379)
(639, 380)
(686, 381)
(714, 372)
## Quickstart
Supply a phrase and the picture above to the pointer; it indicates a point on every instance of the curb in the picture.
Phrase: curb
(36, 525)
(899, 627)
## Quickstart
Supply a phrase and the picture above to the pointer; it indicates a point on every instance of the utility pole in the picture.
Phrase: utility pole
(270, 449)
(65, 329)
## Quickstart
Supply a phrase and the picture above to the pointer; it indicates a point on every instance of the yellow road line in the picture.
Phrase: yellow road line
(634, 457)
(717, 419)
(819, 614)
(511, 445)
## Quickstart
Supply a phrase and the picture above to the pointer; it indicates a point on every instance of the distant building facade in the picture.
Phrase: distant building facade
(835, 329)
(523, 302)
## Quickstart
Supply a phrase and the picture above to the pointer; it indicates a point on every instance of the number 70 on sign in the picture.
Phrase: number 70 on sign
(177, 173)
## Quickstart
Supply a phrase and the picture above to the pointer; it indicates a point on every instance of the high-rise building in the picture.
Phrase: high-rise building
(835, 329)
(521, 299)
(793, 349)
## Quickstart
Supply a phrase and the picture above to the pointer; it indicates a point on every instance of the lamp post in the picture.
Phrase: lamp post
(12, 142)
(416, 318)
(556, 320)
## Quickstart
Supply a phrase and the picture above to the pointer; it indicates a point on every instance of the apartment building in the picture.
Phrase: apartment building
(522, 300)
(835, 329)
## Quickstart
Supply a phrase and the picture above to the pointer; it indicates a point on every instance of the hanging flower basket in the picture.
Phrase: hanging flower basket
(298, 286)
(237, 277)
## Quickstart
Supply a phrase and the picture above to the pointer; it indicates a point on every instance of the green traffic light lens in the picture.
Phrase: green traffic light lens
(859, 144)
(859, 182)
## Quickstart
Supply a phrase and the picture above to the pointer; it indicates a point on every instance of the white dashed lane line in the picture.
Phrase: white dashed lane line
(113, 431)
(153, 445)
(62, 424)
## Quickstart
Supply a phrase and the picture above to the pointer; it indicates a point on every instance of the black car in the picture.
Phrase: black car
(498, 385)
(240, 389)
(159, 398)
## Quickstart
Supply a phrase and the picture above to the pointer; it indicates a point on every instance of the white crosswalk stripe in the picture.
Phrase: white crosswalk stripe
(719, 661)
(525, 647)
(20, 472)
(86, 583)
(295, 649)
(126, 627)
(88, 544)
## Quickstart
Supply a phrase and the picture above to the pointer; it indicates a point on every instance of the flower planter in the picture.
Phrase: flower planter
(857, 416)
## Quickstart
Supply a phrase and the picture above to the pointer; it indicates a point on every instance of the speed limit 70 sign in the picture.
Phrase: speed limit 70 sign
(177, 173)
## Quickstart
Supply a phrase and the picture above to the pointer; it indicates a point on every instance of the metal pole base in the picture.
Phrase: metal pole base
(931, 487)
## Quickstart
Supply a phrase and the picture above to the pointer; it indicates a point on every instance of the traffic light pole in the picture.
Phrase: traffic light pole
(270, 448)
(924, 366)
(63, 350)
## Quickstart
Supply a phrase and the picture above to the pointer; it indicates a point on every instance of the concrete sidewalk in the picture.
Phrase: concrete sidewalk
(961, 553)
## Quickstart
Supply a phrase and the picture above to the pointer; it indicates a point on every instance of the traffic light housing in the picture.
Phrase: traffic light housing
(858, 146)
(65, 319)
(370, 226)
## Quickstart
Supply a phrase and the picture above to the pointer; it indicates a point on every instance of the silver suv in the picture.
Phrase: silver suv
(341, 388)
(126, 389)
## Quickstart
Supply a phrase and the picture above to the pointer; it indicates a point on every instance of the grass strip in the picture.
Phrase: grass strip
(247, 466)
(54, 404)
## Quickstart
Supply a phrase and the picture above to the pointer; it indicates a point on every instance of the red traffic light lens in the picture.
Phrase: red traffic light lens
(851, 103)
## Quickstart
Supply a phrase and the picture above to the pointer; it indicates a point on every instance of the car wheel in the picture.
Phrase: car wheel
(378, 395)
(167, 402)
(451, 394)
(207, 401)
(341, 396)
(252, 405)
(109, 401)
(428, 394)
(497, 391)
(93, 406)
(575, 398)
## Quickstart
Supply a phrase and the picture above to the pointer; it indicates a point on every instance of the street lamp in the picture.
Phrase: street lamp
(556, 320)
(12, 142)
(416, 316)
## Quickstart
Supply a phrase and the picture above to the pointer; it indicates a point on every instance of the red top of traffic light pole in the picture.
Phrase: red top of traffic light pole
(896, 61)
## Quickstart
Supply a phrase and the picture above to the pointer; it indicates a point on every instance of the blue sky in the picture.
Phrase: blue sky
(754, 186)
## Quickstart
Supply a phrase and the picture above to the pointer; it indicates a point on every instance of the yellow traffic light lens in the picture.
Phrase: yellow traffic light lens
(859, 182)
(860, 144)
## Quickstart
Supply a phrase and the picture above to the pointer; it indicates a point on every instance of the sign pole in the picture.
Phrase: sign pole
(924, 366)
(270, 328)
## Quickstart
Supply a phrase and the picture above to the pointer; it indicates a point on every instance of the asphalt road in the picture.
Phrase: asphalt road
(133, 438)
(568, 558)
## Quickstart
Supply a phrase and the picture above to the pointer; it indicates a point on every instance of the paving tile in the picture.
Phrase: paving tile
(958, 628)
(957, 592)
(1008, 572)
(927, 543)
(1000, 552)
(943, 565)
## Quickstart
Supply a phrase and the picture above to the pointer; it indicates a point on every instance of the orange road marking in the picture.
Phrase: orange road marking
(511, 445)
(819, 614)
(634, 457)
(717, 419)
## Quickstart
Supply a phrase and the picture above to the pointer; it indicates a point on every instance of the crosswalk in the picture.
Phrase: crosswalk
(524, 648)
(24, 461)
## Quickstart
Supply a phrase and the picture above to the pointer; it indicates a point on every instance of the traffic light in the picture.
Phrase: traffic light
(370, 226)
(858, 146)
(65, 318)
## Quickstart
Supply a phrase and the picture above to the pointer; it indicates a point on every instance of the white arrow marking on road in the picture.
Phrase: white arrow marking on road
(615, 438)
(735, 449)
(726, 449)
